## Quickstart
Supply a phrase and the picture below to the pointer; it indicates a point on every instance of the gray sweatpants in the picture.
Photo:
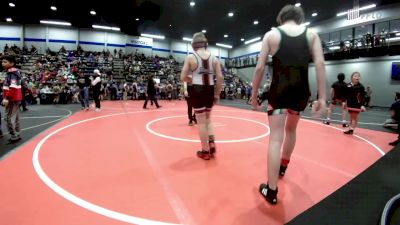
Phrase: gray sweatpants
(12, 110)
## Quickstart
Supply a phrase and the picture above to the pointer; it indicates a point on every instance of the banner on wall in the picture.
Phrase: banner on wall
(139, 42)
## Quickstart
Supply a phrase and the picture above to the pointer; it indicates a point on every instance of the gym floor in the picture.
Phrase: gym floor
(129, 165)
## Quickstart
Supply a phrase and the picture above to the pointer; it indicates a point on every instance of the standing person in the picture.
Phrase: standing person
(96, 84)
(368, 97)
(248, 93)
(188, 92)
(395, 111)
(203, 67)
(355, 101)
(83, 84)
(25, 91)
(12, 96)
(290, 45)
(151, 92)
(1, 100)
(169, 91)
(338, 97)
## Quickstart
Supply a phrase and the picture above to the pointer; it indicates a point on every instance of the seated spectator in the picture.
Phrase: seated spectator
(45, 90)
(33, 49)
(56, 91)
(6, 48)
(63, 50)
(75, 94)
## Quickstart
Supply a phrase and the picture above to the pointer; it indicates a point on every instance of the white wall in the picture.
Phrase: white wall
(58, 37)
(247, 74)
(10, 34)
(116, 41)
(54, 37)
(375, 72)
(140, 44)
(91, 40)
(162, 48)
(36, 36)
(179, 48)
(214, 51)
(245, 50)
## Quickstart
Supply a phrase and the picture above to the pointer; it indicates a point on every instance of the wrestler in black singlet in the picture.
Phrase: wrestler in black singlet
(289, 88)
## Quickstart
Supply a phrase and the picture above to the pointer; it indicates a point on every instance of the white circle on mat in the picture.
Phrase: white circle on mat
(148, 127)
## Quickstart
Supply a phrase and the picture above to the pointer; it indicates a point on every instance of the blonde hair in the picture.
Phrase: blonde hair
(199, 41)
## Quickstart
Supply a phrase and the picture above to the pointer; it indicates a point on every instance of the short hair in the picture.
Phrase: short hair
(199, 40)
(341, 77)
(9, 58)
(354, 73)
(398, 95)
(290, 12)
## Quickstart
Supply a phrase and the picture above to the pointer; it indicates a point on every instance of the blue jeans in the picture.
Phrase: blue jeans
(84, 97)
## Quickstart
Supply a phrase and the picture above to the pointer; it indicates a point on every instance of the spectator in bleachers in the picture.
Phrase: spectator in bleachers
(112, 90)
(75, 93)
(125, 91)
(25, 50)
(134, 91)
(45, 90)
(56, 91)
(169, 90)
(6, 48)
(62, 50)
(33, 49)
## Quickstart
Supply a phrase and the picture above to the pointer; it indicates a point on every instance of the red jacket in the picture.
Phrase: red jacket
(12, 86)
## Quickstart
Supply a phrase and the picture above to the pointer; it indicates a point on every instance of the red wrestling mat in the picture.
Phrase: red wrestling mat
(125, 165)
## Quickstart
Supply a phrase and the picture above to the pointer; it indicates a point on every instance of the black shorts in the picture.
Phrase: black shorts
(337, 101)
(202, 97)
(353, 107)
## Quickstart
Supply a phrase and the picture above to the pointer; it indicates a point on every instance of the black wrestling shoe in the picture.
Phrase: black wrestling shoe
(350, 132)
(345, 125)
(394, 143)
(190, 123)
(327, 122)
(213, 149)
(282, 170)
(14, 140)
(204, 155)
(269, 194)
